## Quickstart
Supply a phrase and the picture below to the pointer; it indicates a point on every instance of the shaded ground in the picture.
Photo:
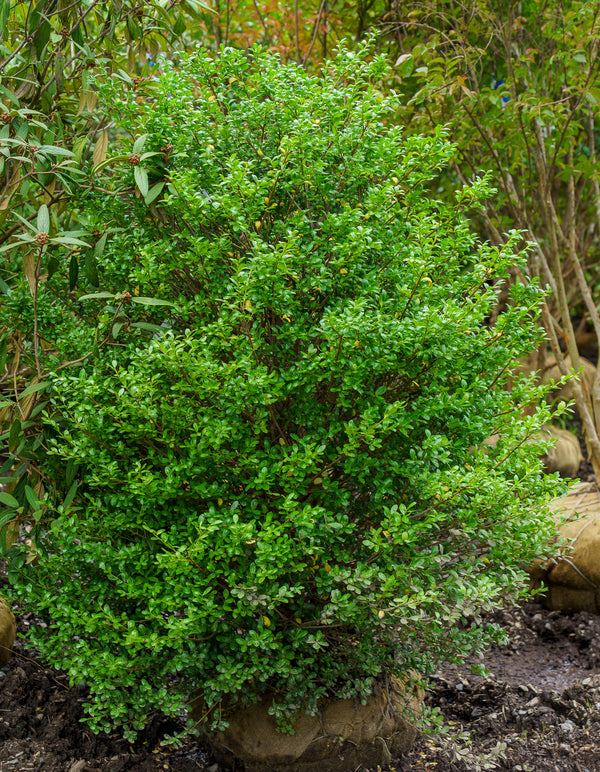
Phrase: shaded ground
(542, 699)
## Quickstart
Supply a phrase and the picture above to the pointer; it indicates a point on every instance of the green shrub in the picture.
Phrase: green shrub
(279, 486)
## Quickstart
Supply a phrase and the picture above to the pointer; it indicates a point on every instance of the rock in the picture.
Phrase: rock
(565, 457)
(573, 578)
(7, 632)
(343, 735)
(551, 372)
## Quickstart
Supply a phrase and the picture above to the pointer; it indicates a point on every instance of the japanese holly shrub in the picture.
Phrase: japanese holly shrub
(281, 484)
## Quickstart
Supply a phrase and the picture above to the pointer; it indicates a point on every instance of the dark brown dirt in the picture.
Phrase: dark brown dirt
(541, 699)
(538, 710)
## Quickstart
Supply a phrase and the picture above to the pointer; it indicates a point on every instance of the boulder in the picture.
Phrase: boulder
(344, 735)
(7, 632)
(565, 457)
(573, 578)
(551, 372)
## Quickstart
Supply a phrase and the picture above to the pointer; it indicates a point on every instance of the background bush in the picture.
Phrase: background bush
(270, 428)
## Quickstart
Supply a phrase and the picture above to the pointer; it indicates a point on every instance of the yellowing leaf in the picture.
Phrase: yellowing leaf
(381, 614)
(248, 304)
(29, 268)
(266, 621)
(100, 148)
(220, 502)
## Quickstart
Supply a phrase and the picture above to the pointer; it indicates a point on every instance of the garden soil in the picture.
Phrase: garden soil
(537, 710)
(541, 699)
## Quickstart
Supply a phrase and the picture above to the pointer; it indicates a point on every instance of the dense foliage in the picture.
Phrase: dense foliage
(272, 427)
(52, 135)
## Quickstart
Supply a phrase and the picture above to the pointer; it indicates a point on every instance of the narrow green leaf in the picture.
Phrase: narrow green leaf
(116, 329)
(154, 192)
(73, 271)
(70, 495)
(107, 161)
(8, 500)
(152, 302)
(100, 244)
(72, 467)
(149, 327)
(3, 354)
(26, 223)
(139, 144)
(14, 434)
(53, 266)
(141, 179)
(68, 241)
(41, 37)
(43, 219)
(180, 25)
(32, 498)
(18, 243)
(33, 388)
(91, 269)
(54, 150)
(77, 35)
(133, 28)
(79, 146)
(98, 296)
(4, 13)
